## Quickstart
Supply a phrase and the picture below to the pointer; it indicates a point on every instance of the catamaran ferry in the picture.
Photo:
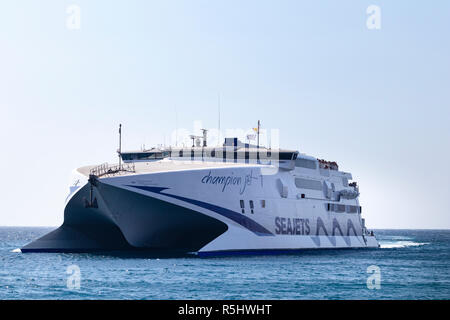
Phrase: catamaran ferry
(232, 199)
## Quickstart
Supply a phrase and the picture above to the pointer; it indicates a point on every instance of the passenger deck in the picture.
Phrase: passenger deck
(167, 165)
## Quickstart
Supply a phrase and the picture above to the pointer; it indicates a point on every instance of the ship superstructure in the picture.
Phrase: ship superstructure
(235, 198)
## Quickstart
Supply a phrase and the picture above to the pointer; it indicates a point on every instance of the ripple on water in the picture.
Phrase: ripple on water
(414, 264)
(400, 244)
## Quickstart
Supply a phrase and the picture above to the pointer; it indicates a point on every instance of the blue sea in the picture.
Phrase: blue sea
(411, 264)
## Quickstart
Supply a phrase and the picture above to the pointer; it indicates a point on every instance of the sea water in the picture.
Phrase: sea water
(410, 264)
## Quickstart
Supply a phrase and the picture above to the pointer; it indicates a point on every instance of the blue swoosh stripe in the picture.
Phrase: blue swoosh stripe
(232, 215)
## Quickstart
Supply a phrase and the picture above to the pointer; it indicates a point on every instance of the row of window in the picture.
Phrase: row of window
(251, 205)
(332, 207)
(239, 154)
(308, 184)
(335, 207)
(302, 183)
(144, 155)
(306, 163)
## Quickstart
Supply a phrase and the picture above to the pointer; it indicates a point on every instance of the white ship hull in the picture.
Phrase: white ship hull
(206, 209)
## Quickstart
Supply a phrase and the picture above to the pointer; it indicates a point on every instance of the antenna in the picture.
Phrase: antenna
(270, 140)
(257, 144)
(259, 125)
(218, 106)
(176, 126)
(120, 146)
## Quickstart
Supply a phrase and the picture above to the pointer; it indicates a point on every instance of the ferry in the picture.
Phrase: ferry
(236, 198)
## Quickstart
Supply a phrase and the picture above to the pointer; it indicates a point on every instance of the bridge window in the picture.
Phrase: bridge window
(263, 203)
(308, 184)
(287, 155)
(335, 207)
(306, 163)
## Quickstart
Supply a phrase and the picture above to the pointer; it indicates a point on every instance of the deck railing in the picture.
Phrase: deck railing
(106, 169)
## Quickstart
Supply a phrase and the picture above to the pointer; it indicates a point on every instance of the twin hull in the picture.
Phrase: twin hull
(204, 211)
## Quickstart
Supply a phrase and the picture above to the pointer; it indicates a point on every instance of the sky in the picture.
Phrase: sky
(376, 100)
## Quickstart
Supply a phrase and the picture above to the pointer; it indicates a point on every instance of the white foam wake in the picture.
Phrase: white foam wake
(16, 250)
(400, 244)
